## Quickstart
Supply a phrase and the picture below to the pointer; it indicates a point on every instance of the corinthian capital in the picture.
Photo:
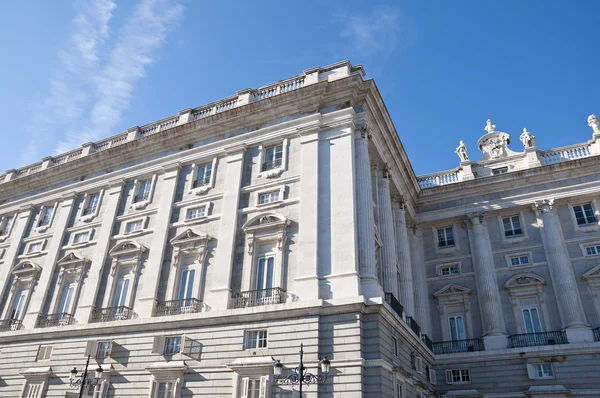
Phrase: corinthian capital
(362, 132)
(476, 218)
(399, 199)
(544, 205)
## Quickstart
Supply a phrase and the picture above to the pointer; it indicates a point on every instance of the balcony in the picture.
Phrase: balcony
(201, 182)
(255, 298)
(50, 320)
(596, 334)
(394, 303)
(140, 198)
(271, 164)
(8, 325)
(111, 314)
(537, 339)
(413, 325)
(425, 339)
(176, 307)
(457, 346)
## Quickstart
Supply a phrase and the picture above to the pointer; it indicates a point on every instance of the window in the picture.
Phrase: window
(445, 237)
(46, 216)
(512, 227)
(6, 225)
(540, 371)
(33, 390)
(432, 376)
(417, 363)
(264, 273)
(254, 387)
(196, 212)
(584, 214)
(164, 390)
(18, 305)
(143, 191)
(399, 390)
(499, 170)
(134, 226)
(592, 250)
(458, 376)
(515, 261)
(104, 349)
(81, 237)
(256, 339)
(64, 305)
(273, 158)
(92, 204)
(448, 270)
(35, 247)
(186, 284)
(172, 345)
(44, 353)
(457, 327)
(268, 197)
(121, 292)
(395, 346)
(531, 318)
(203, 175)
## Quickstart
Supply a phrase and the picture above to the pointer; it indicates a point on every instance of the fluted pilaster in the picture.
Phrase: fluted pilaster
(421, 297)
(389, 258)
(405, 285)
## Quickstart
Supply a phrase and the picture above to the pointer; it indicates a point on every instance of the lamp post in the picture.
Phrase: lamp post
(301, 375)
(83, 380)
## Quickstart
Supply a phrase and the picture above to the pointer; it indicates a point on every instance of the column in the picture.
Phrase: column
(563, 278)
(219, 295)
(91, 283)
(405, 284)
(389, 258)
(488, 294)
(144, 304)
(421, 297)
(306, 283)
(36, 305)
(18, 230)
(364, 216)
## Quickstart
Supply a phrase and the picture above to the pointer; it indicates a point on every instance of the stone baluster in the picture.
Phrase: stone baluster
(389, 258)
(488, 293)
(365, 219)
(405, 284)
(563, 278)
(421, 296)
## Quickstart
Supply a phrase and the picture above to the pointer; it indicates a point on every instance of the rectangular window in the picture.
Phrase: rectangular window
(7, 225)
(399, 390)
(35, 247)
(134, 226)
(519, 260)
(92, 204)
(172, 345)
(203, 175)
(121, 292)
(531, 318)
(273, 157)
(268, 197)
(457, 327)
(195, 212)
(81, 237)
(445, 237)
(44, 353)
(584, 214)
(256, 339)
(103, 350)
(46, 216)
(143, 192)
(19, 303)
(592, 250)
(395, 346)
(33, 390)
(544, 371)
(186, 284)
(448, 270)
(512, 227)
(458, 376)
(500, 170)
(254, 387)
(164, 390)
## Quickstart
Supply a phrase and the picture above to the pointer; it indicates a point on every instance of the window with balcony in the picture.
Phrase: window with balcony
(540, 371)
(458, 376)
(6, 223)
(454, 304)
(46, 216)
(526, 293)
(584, 214)
(531, 320)
(512, 227)
(273, 157)
(445, 237)
(255, 339)
(143, 190)
(24, 276)
(203, 175)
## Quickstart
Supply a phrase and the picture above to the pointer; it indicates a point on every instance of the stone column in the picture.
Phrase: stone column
(563, 278)
(144, 304)
(405, 286)
(389, 258)
(91, 283)
(219, 296)
(40, 292)
(417, 255)
(488, 293)
(365, 219)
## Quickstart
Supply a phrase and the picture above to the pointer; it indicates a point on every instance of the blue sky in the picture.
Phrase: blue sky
(77, 71)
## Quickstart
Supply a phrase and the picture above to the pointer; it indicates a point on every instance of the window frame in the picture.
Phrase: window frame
(179, 346)
(511, 221)
(210, 184)
(4, 231)
(589, 227)
(508, 258)
(464, 376)
(585, 246)
(445, 233)
(39, 227)
(439, 269)
(202, 207)
(248, 338)
(262, 154)
(85, 215)
(31, 244)
(127, 223)
(144, 202)
(47, 350)
(499, 171)
(107, 352)
(533, 368)
(280, 190)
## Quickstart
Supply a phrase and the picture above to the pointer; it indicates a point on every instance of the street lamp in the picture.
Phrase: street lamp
(83, 380)
(301, 375)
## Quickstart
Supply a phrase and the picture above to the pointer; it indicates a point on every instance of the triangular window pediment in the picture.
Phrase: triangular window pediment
(594, 273)
(452, 290)
(126, 248)
(70, 259)
(524, 280)
(188, 236)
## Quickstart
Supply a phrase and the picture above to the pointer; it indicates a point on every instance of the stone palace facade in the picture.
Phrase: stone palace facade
(188, 255)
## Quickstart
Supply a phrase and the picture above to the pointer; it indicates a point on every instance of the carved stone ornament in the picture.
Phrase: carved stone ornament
(452, 290)
(494, 144)
(527, 139)
(594, 123)
(461, 151)
(544, 205)
(524, 280)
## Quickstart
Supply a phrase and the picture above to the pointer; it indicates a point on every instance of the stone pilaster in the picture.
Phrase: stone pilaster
(405, 286)
(365, 219)
(40, 292)
(389, 258)
(561, 270)
(421, 314)
(110, 205)
(488, 293)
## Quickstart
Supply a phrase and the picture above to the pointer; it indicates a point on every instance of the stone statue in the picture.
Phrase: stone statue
(489, 127)
(594, 123)
(461, 151)
(527, 139)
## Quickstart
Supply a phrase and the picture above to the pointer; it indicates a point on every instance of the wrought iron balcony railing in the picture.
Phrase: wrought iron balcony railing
(7, 325)
(141, 198)
(60, 319)
(394, 303)
(456, 346)
(425, 339)
(176, 307)
(596, 334)
(271, 164)
(201, 182)
(413, 325)
(536, 339)
(255, 298)
(111, 314)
